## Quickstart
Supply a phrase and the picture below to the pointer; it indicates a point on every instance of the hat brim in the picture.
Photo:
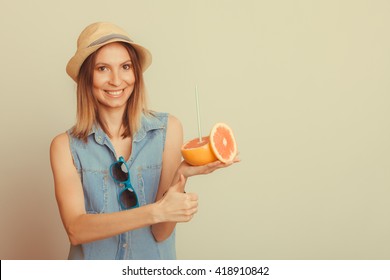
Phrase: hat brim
(74, 64)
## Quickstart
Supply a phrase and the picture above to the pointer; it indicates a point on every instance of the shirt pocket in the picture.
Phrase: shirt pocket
(148, 179)
(95, 190)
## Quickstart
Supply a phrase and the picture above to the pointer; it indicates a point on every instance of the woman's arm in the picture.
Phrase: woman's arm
(173, 168)
(169, 175)
(82, 227)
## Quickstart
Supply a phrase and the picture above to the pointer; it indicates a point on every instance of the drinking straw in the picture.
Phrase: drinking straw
(197, 111)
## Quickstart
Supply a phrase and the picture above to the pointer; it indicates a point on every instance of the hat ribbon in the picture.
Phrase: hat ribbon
(109, 37)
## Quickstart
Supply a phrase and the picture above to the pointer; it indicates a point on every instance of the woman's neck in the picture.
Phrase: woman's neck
(113, 119)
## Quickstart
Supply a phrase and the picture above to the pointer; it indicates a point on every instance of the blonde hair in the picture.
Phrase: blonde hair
(87, 114)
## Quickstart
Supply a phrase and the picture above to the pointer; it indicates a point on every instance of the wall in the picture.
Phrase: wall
(304, 84)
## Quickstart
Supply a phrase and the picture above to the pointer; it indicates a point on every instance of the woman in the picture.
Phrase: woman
(119, 179)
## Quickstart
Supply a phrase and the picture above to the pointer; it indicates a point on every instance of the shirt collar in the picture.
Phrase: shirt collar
(99, 134)
(148, 123)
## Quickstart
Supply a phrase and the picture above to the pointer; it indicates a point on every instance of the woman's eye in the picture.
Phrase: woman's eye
(102, 68)
(127, 66)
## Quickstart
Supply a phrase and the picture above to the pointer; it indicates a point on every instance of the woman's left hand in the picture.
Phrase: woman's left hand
(189, 170)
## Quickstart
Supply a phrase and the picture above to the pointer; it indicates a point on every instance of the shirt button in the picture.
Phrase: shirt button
(124, 245)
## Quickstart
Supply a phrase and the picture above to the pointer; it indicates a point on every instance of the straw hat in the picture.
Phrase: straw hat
(96, 36)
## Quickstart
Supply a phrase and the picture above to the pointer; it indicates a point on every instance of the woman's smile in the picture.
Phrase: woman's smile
(115, 93)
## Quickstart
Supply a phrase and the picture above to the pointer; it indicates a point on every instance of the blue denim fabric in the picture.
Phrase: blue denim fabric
(93, 160)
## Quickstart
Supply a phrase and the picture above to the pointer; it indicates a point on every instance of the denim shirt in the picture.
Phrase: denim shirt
(93, 160)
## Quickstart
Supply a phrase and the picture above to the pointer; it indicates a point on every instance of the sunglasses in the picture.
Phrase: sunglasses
(120, 173)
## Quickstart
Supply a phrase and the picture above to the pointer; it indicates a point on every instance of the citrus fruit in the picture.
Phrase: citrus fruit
(198, 153)
(223, 143)
(220, 145)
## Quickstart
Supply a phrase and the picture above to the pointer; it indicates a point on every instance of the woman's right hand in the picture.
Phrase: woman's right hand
(176, 206)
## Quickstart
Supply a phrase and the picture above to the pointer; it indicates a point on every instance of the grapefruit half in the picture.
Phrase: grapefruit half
(198, 153)
(220, 145)
(223, 142)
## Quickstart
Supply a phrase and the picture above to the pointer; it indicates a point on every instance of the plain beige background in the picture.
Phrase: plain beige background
(304, 85)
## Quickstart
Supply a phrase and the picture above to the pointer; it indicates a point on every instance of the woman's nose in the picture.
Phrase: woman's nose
(115, 78)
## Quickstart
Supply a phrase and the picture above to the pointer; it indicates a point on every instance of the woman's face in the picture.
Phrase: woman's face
(113, 76)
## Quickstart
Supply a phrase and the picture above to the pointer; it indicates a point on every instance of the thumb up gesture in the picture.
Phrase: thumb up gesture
(176, 206)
